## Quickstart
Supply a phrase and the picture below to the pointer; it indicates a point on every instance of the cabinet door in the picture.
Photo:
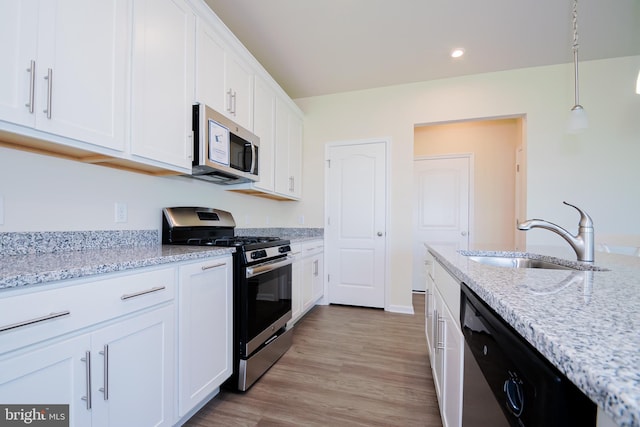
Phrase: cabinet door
(239, 90)
(307, 282)
(453, 370)
(288, 160)
(296, 284)
(133, 371)
(18, 32)
(264, 127)
(295, 155)
(163, 82)
(429, 315)
(318, 277)
(439, 344)
(210, 86)
(205, 319)
(81, 70)
(50, 374)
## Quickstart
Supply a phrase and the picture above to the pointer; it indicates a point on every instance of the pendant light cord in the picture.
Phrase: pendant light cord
(575, 51)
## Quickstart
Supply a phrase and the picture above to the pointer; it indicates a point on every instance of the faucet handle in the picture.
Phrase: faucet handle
(585, 219)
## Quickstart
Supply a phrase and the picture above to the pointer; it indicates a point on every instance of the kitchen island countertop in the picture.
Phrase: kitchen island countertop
(586, 323)
(34, 269)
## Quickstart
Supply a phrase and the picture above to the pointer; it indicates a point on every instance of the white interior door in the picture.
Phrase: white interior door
(356, 224)
(441, 208)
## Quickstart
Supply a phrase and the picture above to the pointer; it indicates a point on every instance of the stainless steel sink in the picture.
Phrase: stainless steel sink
(518, 262)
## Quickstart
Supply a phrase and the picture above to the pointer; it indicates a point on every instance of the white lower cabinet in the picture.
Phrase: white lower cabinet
(445, 340)
(109, 354)
(205, 343)
(308, 277)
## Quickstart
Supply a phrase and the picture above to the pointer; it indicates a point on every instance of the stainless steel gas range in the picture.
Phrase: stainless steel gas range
(261, 286)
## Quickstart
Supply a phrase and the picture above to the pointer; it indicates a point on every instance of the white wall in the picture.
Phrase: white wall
(50, 194)
(597, 170)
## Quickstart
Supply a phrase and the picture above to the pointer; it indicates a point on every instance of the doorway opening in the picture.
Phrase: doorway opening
(498, 180)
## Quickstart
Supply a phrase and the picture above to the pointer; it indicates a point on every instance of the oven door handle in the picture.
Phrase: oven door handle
(268, 266)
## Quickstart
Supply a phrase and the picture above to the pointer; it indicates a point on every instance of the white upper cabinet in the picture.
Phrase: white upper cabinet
(288, 158)
(224, 80)
(264, 122)
(163, 82)
(64, 68)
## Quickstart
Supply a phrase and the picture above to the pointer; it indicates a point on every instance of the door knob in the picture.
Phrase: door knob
(379, 233)
(464, 233)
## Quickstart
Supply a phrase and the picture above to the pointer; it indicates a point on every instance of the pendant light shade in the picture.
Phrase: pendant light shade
(638, 84)
(578, 117)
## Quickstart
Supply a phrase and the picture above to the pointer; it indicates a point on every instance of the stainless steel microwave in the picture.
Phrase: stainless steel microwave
(223, 151)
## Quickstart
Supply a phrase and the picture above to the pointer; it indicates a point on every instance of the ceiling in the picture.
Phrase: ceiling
(318, 47)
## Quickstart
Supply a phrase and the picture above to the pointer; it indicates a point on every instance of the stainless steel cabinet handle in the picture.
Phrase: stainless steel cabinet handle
(87, 360)
(229, 102)
(36, 320)
(440, 343)
(435, 330)
(291, 183)
(105, 368)
(233, 99)
(49, 79)
(137, 294)
(209, 267)
(315, 267)
(32, 84)
(379, 233)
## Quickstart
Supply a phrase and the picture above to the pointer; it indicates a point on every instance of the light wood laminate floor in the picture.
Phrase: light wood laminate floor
(348, 366)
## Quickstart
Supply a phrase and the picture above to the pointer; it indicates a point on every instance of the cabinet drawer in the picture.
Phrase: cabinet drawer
(36, 315)
(312, 248)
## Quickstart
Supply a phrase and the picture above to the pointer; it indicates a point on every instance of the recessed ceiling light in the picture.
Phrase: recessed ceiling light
(457, 53)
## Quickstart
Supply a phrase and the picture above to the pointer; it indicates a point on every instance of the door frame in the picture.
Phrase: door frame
(327, 249)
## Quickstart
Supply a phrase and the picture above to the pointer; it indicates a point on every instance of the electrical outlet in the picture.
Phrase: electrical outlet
(120, 212)
(1, 210)
(301, 220)
(267, 220)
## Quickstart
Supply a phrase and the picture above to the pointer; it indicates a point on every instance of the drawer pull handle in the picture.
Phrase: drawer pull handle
(36, 320)
(137, 294)
(209, 267)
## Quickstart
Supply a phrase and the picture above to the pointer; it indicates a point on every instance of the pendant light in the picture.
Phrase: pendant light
(577, 116)
(638, 84)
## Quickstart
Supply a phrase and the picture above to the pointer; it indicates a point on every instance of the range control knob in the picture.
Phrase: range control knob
(258, 254)
(283, 249)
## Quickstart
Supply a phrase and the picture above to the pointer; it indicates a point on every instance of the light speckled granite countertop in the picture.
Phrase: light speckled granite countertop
(586, 323)
(31, 258)
(32, 269)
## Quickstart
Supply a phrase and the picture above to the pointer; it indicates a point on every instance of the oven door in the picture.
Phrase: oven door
(265, 303)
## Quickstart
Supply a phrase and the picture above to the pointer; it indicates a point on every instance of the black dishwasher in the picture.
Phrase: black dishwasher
(509, 383)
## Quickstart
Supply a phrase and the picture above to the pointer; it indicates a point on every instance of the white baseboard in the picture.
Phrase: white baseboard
(403, 309)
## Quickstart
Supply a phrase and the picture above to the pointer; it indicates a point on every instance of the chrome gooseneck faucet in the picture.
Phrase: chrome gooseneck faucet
(582, 243)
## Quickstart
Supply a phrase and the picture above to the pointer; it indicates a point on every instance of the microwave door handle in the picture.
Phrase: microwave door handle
(253, 160)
